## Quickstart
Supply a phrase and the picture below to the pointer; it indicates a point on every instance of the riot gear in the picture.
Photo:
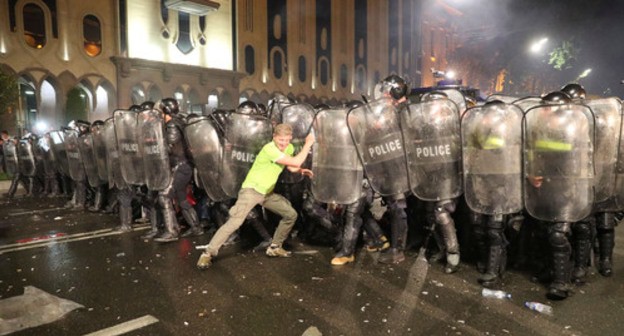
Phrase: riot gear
(394, 86)
(135, 108)
(169, 106)
(248, 107)
(148, 105)
(556, 97)
(574, 90)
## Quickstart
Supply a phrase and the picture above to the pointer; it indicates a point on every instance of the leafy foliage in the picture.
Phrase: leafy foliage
(8, 92)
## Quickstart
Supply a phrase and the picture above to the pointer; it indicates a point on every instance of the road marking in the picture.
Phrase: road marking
(126, 327)
(64, 239)
(32, 212)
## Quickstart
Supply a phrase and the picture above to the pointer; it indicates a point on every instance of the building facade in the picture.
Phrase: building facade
(84, 59)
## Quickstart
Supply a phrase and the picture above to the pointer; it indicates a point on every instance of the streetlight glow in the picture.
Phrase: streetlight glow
(585, 73)
(539, 45)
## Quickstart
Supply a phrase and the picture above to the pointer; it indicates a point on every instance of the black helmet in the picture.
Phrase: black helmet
(82, 126)
(495, 102)
(97, 123)
(135, 108)
(148, 105)
(432, 95)
(395, 86)
(169, 106)
(262, 109)
(556, 97)
(248, 107)
(574, 90)
(354, 104)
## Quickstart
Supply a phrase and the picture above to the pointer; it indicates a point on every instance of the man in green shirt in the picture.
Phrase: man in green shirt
(258, 189)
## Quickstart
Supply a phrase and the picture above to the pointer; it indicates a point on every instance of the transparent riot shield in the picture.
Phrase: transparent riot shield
(10, 158)
(59, 151)
(205, 146)
(456, 97)
(433, 145)
(608, 122)
(492, 158)
(44, 145)
(558, 167)
(85, 144)
(245, 135)
(115, 177)
(126, 130)
(74, 159)
(99, 149)
(26, 158)
(527, 102)
(153, 147)
(375, 130)
(300, 117)
(504, 98)
(337, 169)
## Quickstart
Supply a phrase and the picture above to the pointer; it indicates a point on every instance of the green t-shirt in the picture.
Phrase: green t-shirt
(264, 172)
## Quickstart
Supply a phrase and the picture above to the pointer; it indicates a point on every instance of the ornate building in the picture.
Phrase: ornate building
(83, 59)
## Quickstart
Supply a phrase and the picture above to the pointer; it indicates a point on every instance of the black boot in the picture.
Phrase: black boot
(98, 201)
(125, 215)
(559, 288)
(581, 260)
(190, 216)
(495, 267)
(171, 226)
(257, 224)
(350, 235)
(154, 223)
(606, 242)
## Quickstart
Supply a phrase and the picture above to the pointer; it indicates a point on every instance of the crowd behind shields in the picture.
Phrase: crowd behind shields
(506, 173)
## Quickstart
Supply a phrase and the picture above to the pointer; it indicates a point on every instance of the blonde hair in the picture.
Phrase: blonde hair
(282, 129)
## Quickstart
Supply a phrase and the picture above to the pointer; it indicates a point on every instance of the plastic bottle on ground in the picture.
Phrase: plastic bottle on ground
(498, 294)
(539, 307)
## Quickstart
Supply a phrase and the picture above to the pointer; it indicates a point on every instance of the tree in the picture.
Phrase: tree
(9, 93)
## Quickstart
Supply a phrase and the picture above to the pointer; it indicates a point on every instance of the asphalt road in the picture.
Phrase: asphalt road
(145, 288)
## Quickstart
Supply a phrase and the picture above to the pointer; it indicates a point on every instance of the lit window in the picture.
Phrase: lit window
(34, 26)
(92, 33)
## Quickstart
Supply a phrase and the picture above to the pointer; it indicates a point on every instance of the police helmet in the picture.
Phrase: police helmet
(170, 106)
(574, 90)
(135, 108)
(148, 105)
(395, 86)
(354, 104)
(556, 97)
(248, 107)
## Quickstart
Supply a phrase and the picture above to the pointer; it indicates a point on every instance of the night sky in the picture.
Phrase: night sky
(593, 27)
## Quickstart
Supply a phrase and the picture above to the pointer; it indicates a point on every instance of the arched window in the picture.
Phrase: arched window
(92, 32)
(278, 64)
(34, 26)
(344, 74)
(302, 69)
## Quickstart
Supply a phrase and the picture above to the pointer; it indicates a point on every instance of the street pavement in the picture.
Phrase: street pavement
(106, 283)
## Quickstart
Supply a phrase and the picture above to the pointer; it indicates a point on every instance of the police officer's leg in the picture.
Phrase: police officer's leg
(150, 204)
(561, 250)
(372, 228)
(171, 229)
(125, 197)
(581, 237)
(350, 234)
(605, 225)
(182, 175)
(254, 218)
(446, 227)
(398, 227)
(478, 225)
(497, 251)
(316, 214)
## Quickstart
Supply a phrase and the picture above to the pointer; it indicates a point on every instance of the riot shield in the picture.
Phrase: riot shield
(205, 146)
(154, 149)
(245, 135)
(10, 158)
(59, 151)
(115, 177)
(502, 97)
(456, 97)
(558, 167)
(300, 117)
(130, 158)
(74, 159)
(26, 158)
(44, 145)
(335, 163)
(492, 158)
(376, 133)
(99, 149)
(85, 144)
(433, 146)
(527, 102)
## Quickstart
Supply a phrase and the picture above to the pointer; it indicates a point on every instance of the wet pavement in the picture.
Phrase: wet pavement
(156, 290)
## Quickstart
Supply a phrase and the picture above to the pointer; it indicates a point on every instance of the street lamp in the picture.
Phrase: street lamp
(536, 47)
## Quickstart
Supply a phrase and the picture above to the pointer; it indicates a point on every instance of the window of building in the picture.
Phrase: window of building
(92, 32)
(277, 64)
(302, 68)
(344, 74)
(34, 26)
(250, 60)
(184, 43)
(324, 71)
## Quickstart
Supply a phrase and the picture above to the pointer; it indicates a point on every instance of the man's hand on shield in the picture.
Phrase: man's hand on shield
(536, 181)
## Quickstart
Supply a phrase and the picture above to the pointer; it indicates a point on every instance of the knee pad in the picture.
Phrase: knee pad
(164, 201)
(442, 215)
(605, 220)
(558, 236)
(582, 230)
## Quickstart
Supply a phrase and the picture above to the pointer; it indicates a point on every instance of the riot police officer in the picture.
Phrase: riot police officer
(182, 173)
